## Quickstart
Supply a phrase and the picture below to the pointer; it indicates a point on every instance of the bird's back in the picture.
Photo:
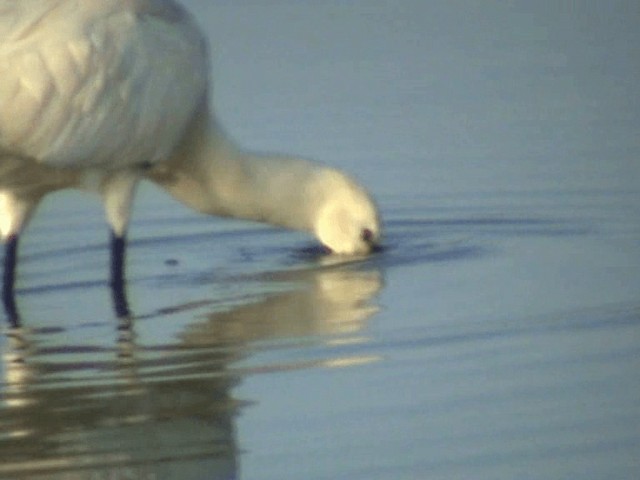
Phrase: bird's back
(102, 83)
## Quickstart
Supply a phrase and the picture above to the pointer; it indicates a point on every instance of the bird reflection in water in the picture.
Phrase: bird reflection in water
(166, 411)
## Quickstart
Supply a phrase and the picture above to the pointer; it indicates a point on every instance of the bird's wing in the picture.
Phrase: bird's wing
(87, 83)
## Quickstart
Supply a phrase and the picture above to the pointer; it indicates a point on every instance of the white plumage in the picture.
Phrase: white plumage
(96, 94)
(97, 83)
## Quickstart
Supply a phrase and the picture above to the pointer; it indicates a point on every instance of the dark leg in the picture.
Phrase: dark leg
(118, 250)
(8, 280)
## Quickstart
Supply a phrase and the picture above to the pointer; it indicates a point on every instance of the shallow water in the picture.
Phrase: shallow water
(496, 336)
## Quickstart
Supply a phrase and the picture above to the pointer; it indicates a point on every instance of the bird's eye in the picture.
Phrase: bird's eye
(366, 235)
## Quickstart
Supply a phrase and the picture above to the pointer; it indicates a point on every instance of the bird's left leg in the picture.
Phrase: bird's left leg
(118, 190)
(15, 212)
(9, 279)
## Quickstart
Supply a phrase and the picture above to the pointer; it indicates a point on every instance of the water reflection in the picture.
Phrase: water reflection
(328, 302)
(108, 412)
(131, 409)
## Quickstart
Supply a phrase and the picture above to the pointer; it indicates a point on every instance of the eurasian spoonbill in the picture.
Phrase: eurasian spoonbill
(98, 94)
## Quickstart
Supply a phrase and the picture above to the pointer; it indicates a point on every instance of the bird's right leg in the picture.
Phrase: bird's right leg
(14, 215)
(9, 279)
(117, 282)
(117, 193)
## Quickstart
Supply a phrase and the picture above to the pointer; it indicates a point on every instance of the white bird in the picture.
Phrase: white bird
(98, 94)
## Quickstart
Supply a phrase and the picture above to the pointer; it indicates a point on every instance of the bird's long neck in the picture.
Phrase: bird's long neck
(210, 174)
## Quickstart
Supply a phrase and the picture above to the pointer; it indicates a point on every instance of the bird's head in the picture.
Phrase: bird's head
(347, 220)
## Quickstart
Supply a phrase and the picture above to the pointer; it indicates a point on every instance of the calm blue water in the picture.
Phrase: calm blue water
(496, 337)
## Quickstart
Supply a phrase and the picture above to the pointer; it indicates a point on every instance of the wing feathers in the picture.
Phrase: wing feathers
(98, 83)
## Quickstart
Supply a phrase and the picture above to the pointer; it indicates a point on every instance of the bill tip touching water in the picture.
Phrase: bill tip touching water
(99, 95)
